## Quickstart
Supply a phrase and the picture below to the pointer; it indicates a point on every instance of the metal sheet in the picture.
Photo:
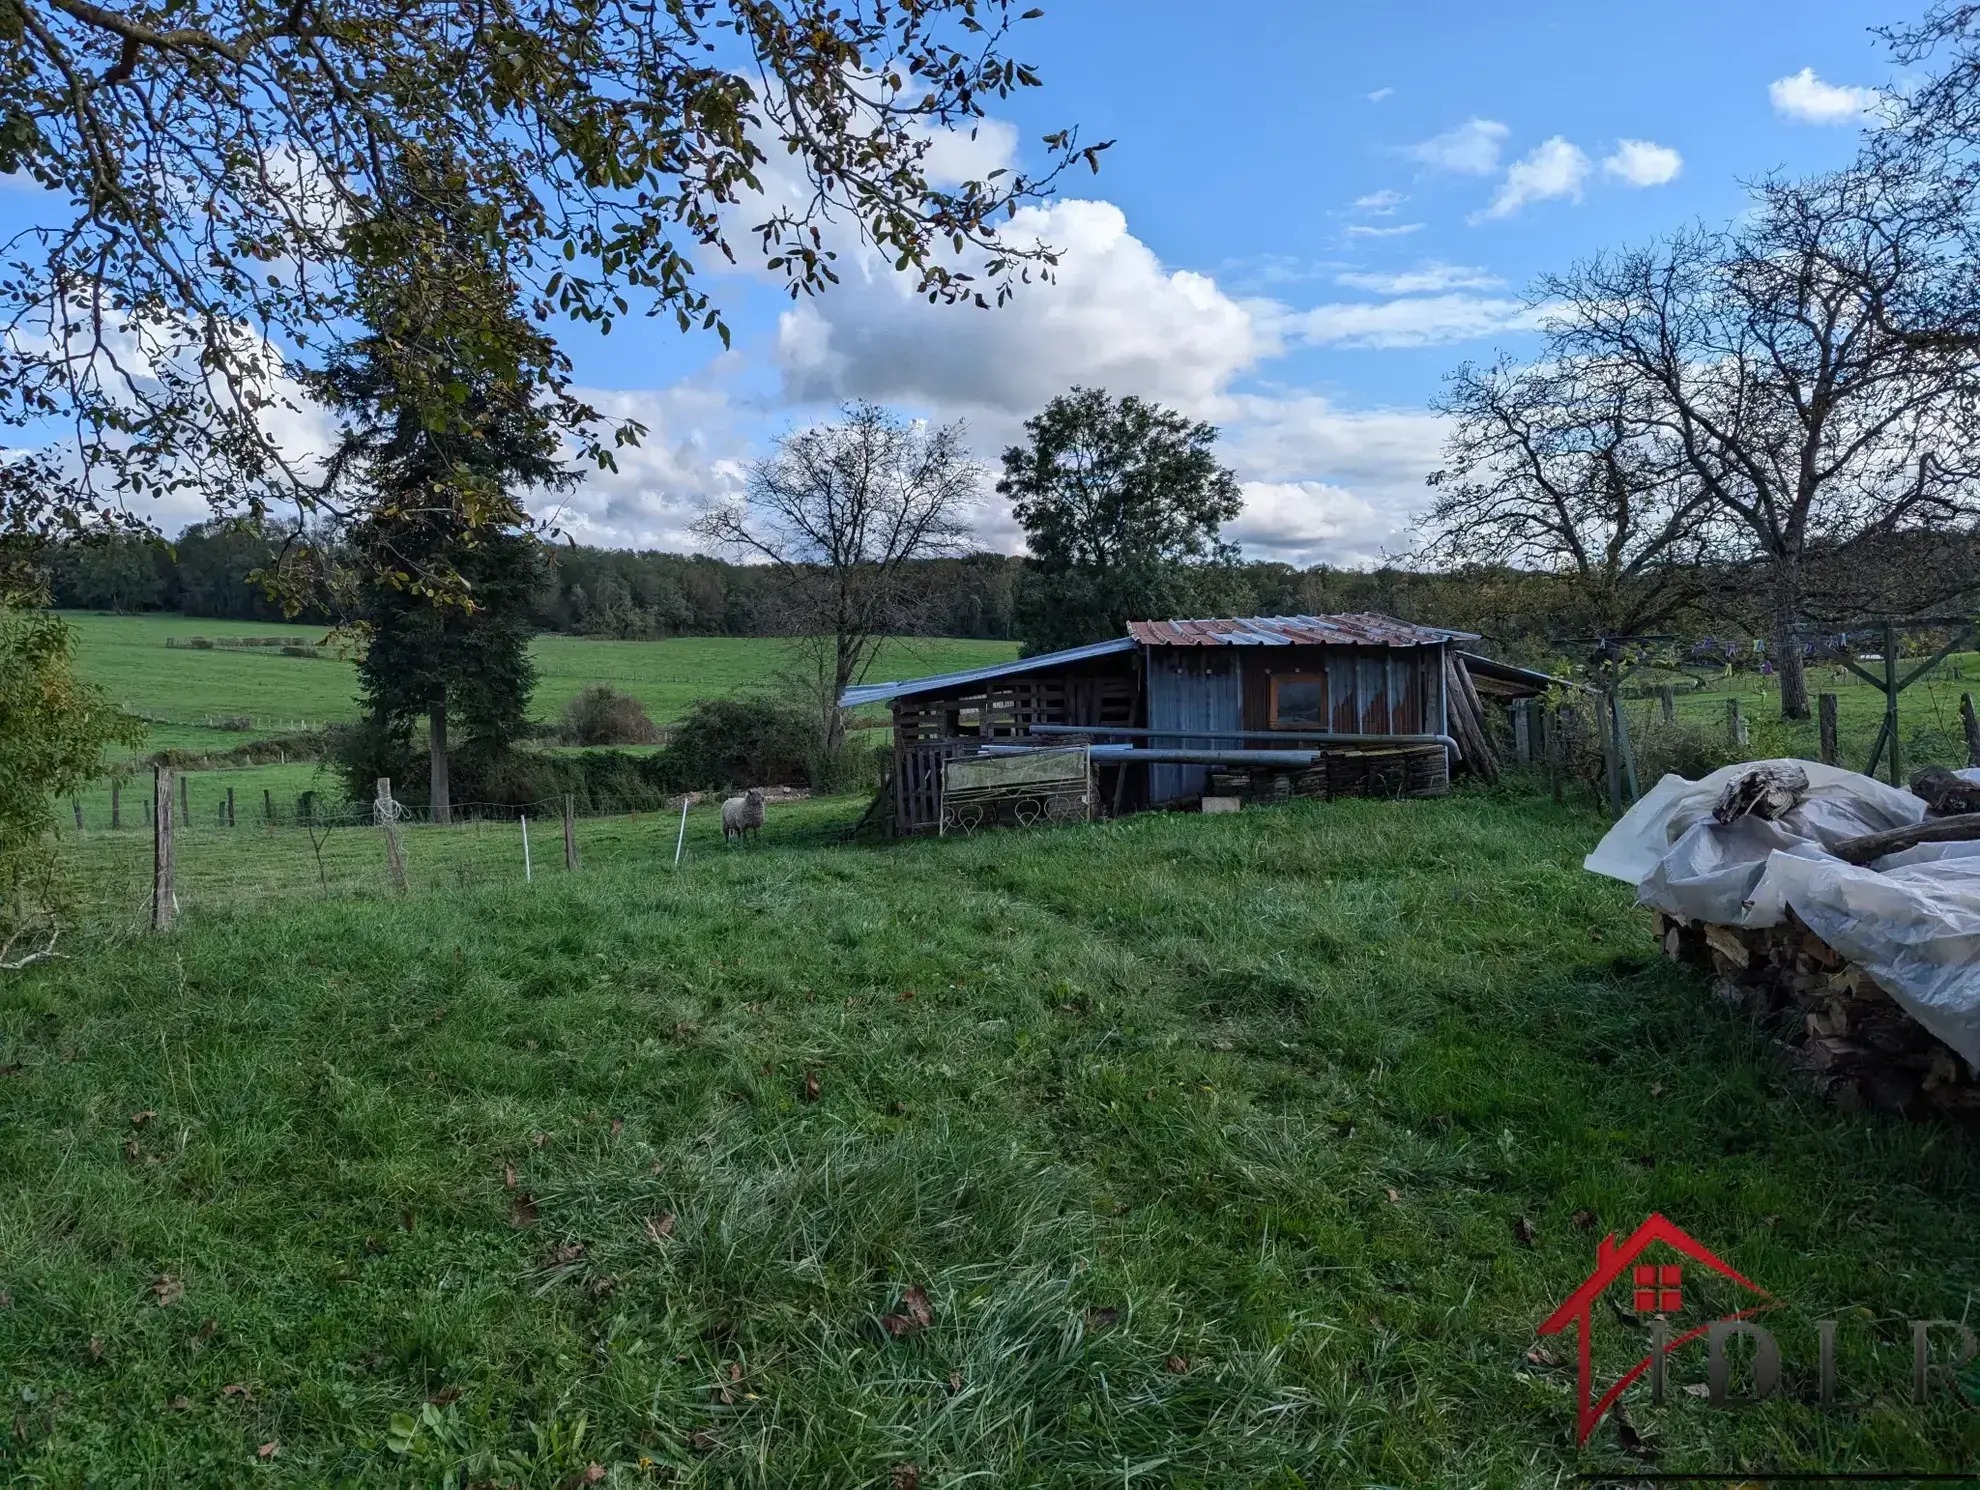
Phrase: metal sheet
(1189, 688)
(1354, 628)
(880, 693)
(1001, 770)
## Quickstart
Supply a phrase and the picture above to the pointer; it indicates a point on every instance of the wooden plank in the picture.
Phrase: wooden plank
(164, 900)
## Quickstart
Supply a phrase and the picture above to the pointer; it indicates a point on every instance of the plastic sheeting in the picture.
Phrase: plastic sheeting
(1911, 920)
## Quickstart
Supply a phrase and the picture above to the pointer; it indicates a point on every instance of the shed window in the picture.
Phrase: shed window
(1299, 701)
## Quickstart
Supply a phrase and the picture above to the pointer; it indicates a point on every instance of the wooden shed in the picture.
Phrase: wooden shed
(1324, 705)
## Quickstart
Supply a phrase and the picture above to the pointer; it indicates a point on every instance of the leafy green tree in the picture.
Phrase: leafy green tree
(54, 730)
(442, 434)
(1121, 503)
(203, 160)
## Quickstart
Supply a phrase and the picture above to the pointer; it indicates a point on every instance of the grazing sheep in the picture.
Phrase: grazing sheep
(742, 815)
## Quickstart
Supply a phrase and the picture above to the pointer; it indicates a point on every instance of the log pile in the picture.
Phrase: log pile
(1862, 1050)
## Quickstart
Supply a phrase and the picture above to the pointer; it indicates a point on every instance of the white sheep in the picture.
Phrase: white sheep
(742, 815)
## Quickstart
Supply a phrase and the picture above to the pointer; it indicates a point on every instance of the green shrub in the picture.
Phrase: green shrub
(601, 715)
(750, 740)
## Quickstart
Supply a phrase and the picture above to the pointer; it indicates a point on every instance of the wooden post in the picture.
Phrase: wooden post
(1550, 738)
(570, 834)
(185, 801)
(523, 818)
(1890, 701)
(116, 804)
(1825, 708)
(76, 803)
(1667, 701)
(1611, 761)
(1523, 731)
(386, 811)
(268, 804)
(162, 899)
(1972, 728)
(1735, 723)
(230, 807)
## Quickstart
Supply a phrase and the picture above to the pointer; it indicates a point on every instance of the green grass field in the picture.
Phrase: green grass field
(1206, 1138)
(127, 655)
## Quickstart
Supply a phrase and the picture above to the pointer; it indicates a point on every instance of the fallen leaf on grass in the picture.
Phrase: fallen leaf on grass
(1656, 1089)
(206, 1329)
(540, 1141)
(167, 1289)
(509, 1176)
(1176, 1365)
(916, 1315)
(618, 1126)
(703, 1442)
(1394, 1197)
(1632, 1442)
(139, 1119)
(525, 1211)
(1100, 1319)
(904, 1477)
(96, 1347)
(179, 1404)
(591, 1474)
(660, 1227)
(811, 1086)
(6, 1300)
(130, 1150)
(1522, 1230)
(1584, 1218)
(268, 1451)
(955, 1382)
(1697, 1389)
(563, 1255)
(902, 1000)
(1539, 1355)
(237, 1389)
(445, 1395)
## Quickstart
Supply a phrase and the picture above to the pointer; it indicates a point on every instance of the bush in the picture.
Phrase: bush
(604, 716)
(744, 741)
(1685, 748)
(204, 644)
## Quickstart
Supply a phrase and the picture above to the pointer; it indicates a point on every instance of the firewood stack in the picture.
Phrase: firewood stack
(1862, 1049)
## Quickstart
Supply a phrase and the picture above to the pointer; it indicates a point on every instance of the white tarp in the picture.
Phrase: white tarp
(1912, 921)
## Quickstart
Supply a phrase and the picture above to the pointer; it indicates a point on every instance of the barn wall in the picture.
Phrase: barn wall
(1370, 690)
(1190, 688)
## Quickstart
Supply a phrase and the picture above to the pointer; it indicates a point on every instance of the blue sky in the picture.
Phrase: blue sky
(1312, 212)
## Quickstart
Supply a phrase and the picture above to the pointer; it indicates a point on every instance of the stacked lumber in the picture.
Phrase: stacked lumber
(1859, 1046)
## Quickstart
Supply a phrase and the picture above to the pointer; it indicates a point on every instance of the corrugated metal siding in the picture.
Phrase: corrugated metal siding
(1190, 688)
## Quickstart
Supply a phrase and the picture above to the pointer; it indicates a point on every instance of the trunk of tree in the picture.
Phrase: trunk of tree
(436, 751)
(1787, 644)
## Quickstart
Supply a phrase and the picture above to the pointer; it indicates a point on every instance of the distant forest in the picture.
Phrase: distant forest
(617, 593)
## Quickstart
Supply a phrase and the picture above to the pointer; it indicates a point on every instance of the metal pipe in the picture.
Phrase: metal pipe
(1115, 754)
(1452, 753)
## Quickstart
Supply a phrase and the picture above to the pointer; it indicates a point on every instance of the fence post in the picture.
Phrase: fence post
(1972, 728)
(570, 835)
(1735, 723)
(1825, 708)
(116, 804)
(230, 807)
(268, 804)
(1550, 740)
(386, 812)
(1667, 702)
(185, 801)
(162, 897)
(76, 802)
(523, 818)
(1522, 721)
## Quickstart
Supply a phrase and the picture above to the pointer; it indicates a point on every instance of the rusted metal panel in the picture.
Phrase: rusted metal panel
(1189, 689)
(1354, 628)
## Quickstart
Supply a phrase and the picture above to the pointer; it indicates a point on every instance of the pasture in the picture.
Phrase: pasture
(1213, 1145)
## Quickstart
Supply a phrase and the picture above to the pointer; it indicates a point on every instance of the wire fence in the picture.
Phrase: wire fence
(346, 850)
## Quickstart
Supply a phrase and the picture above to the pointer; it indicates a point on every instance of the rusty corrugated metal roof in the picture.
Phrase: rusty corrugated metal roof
(1356, 628)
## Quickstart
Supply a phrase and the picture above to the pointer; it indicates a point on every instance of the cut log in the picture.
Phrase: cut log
(1767, 792)
(1943, 792)
(1870, 846)
(1971, 726)
(1729, 944)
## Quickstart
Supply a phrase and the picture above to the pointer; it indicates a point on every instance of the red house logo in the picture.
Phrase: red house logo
(1657, 1288)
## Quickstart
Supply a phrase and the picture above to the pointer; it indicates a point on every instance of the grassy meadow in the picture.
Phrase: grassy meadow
(185, 688)
(1210, 1143)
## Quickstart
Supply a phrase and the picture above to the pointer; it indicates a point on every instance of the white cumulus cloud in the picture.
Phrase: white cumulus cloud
(1414, 321)
(1642, 163)
(1380, 203)
(1556, 168)
(1472, 149)
(1806, 99)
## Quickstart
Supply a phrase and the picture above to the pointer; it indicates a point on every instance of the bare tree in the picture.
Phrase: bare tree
(1814, 368)
(841, 510)
(1557, 468)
